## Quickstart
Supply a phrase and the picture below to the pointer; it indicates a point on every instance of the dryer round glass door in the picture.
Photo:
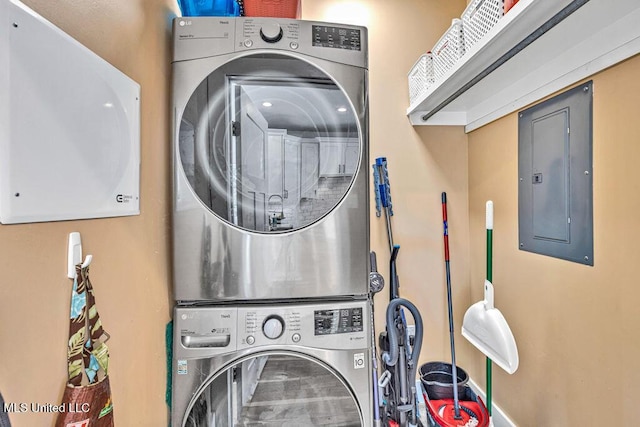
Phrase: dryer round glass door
(269, 143)
(274, 390)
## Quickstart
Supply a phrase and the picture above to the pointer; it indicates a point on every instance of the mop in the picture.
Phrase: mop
(443, 412)
(485, 326)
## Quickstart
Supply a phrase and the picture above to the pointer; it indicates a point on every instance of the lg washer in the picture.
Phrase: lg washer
(270, 160)
(284, 365)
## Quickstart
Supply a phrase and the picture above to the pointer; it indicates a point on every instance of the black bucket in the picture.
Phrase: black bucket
(437, 380)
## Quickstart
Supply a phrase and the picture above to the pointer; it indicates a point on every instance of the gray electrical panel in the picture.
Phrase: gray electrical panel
(555, 196)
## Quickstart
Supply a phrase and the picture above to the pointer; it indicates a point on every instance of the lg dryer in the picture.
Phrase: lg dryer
(270, 159)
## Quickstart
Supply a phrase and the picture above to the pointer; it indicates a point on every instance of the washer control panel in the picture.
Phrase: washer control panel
(225, 329)
(338, 321)
(329, 325)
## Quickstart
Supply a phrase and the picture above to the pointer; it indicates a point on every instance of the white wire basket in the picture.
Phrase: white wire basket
(448, 50)
(420, 77)
(478, 18)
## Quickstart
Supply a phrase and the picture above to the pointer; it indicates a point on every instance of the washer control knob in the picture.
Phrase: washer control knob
(295, 337)
(273, 327)
(271, 32)
(251, 340)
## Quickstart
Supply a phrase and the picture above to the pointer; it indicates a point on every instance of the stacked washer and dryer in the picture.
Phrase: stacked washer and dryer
(270, 224)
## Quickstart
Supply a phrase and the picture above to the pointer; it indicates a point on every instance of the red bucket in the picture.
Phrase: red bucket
(443, 413)
(273, 8)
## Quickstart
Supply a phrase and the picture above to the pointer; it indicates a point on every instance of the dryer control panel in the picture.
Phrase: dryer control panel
(335, 42)
(204, 36)
(336, 37)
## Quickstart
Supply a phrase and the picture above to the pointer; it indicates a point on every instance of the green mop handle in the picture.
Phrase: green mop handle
(489, 220)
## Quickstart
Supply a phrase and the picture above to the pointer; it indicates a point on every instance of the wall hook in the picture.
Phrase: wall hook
(74, 255)
(87, 261)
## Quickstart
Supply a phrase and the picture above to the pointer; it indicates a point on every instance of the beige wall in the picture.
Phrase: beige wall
(423, 161)
(131, 269)
(131, 265)
(576, 326)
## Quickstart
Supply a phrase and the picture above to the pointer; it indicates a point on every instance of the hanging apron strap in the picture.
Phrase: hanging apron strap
(4, 415)
(86, 351)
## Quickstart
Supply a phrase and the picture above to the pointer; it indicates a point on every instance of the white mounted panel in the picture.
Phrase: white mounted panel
(69, 126)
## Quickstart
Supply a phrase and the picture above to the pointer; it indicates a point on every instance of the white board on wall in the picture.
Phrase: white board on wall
(69, 126)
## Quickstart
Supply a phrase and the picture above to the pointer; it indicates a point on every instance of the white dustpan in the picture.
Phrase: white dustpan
(483, 324)
(486, 328)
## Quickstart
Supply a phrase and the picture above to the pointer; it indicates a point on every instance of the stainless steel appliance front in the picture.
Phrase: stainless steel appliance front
(291, 364)
(270, 160)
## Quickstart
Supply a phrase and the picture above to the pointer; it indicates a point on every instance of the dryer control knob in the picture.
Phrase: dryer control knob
(273, 327)
(271, 32)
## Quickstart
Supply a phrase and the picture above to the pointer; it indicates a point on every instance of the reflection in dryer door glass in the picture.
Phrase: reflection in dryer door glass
(275, 391)
(269, 144)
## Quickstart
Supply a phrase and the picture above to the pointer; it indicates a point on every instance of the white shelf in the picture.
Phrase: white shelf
(598, 35)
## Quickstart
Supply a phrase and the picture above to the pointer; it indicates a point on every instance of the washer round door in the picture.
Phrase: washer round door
(274, 390)
(269, 143)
